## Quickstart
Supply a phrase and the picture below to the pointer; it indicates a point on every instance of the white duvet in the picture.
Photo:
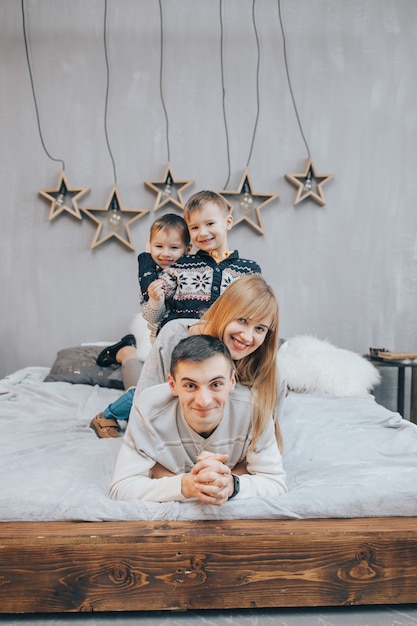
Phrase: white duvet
(344, 457)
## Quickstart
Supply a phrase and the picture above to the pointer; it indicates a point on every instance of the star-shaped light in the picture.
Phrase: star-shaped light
(64, 198)
(113, 221)
(168, 190)
(247, 204)
(309, 184)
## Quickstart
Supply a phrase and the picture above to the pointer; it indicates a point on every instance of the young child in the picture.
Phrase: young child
(169, 240)
(189, 286)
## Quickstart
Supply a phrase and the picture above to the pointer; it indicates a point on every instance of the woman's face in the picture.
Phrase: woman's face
(244, 335)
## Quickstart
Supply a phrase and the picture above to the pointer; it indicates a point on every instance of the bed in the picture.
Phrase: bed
(344, 533)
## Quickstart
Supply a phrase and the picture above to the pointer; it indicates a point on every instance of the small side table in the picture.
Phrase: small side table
(401, 367)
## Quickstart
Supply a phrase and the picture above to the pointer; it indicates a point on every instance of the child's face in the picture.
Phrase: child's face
(208, 228)
(167, 246)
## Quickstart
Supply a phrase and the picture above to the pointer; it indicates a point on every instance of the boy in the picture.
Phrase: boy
(187, 436)
(194, 282)
(169, 240)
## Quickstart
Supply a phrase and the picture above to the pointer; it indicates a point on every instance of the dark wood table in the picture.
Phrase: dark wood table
(401, 367)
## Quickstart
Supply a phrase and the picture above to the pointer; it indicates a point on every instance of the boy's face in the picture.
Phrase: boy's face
(203, 389)
(167, 246)
(208, 228)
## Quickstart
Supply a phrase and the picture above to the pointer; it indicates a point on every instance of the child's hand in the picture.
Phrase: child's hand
(155, 290)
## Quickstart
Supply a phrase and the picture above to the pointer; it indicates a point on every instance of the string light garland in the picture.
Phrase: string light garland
(309, 184)
(63, 198)
(113, 221)
(244, 202)
(168, 190)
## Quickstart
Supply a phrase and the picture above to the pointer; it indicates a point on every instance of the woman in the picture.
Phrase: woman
(245, 317)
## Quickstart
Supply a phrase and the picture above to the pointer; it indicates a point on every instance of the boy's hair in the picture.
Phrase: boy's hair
(171, 221)
(200, 199)
(199, 348)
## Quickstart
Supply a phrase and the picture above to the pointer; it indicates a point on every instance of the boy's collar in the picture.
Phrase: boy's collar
(217, 257)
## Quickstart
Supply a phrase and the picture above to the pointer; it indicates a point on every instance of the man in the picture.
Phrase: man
(192, 436)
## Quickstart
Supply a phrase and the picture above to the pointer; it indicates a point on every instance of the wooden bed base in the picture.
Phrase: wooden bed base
(137, 566)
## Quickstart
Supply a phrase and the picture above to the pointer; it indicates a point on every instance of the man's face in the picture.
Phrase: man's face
(203, 390)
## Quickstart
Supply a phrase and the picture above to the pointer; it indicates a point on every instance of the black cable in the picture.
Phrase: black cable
(160, 80)
(289, 79)
(33, 90)
(106, 100)
(224, 94)
(257, 82)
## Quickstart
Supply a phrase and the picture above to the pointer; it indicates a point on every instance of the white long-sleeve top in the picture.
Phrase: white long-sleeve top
(157, 432)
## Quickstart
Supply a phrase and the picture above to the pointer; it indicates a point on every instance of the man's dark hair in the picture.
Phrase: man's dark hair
(199, 348)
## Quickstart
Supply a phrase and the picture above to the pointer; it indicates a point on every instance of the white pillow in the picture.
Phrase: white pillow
(314, 365)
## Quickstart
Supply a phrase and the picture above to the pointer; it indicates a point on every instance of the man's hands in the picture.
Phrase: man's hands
(210, 480)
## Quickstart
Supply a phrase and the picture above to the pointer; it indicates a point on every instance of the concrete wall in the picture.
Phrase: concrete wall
(346, 271)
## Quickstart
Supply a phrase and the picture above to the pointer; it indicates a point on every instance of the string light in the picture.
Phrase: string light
(106, 99)
(33, 89)
(161, 72)
(246, 202)
(284, 44)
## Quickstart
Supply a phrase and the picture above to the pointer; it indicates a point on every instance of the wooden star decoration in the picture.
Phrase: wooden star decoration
(115, 221)
(64, 198)
(246, 204)
(168, 190)
(309, 184)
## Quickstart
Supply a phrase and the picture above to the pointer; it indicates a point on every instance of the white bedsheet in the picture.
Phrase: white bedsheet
(344, 457)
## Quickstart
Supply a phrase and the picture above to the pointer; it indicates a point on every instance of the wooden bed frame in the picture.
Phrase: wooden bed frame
(138, 566)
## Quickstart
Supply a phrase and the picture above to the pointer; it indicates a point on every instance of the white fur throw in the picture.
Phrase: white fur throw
(314, 365)
(139, 328)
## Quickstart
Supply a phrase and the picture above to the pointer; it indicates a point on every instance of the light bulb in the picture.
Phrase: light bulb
(61, 196)
(114, 219)
(167, 191)
(308, 182)
(246, 199)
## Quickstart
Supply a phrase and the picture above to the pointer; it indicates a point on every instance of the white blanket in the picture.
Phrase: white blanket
(344, 457)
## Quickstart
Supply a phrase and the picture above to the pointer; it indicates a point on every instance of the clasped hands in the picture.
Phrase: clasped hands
(210, 480)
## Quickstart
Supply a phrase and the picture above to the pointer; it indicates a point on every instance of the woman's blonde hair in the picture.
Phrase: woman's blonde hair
(251, 297)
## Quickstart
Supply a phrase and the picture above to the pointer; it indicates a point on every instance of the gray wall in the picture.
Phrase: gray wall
(346, 271)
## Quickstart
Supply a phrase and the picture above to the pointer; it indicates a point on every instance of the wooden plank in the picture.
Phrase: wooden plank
(133, 566)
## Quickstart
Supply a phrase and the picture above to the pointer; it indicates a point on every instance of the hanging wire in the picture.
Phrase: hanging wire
(224, 93)
(257, 82)
(289, 79)
(160, 79)
(33, 89)
(106, 101)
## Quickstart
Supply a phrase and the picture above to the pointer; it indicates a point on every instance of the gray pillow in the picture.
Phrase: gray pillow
(78, 365)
